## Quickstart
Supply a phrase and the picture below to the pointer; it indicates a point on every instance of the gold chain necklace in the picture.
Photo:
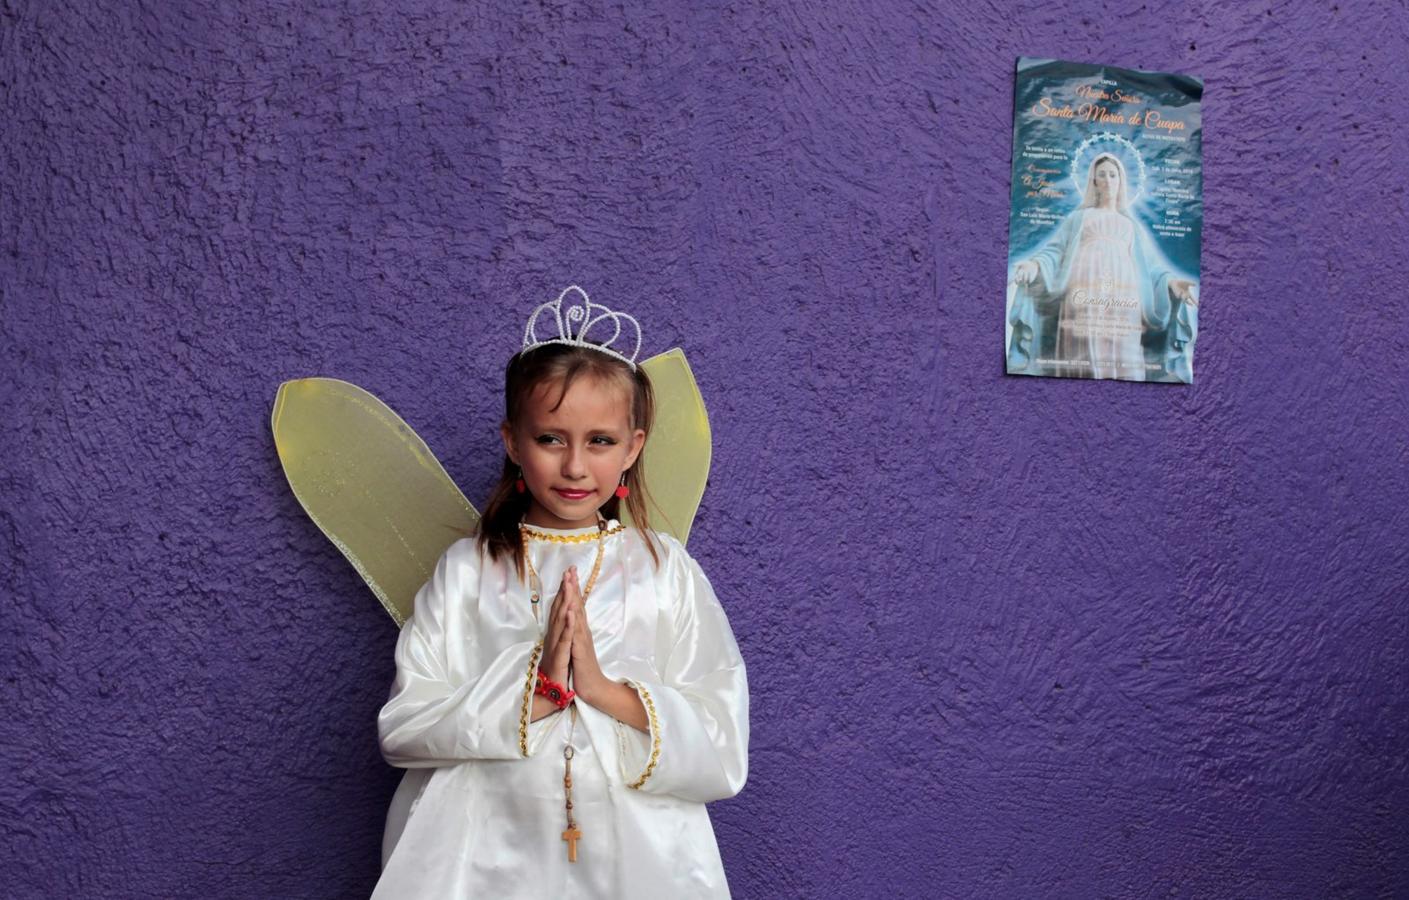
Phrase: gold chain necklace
(535, 584)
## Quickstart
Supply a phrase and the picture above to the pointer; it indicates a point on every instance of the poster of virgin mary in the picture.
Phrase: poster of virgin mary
(1105, 223)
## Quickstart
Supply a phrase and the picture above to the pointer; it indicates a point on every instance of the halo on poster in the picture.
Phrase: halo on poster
(1108, 143)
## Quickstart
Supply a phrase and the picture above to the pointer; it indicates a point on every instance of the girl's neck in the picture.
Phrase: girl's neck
(539, 517)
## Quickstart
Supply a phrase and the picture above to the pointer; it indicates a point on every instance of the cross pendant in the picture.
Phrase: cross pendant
(571, 836)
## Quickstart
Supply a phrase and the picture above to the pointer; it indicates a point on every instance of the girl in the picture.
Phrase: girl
(571, 748)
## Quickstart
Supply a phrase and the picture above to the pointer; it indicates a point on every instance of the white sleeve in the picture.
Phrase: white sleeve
(434, 719)
(697, 748)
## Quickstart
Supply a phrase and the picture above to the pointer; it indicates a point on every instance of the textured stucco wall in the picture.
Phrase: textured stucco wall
(1008, 637)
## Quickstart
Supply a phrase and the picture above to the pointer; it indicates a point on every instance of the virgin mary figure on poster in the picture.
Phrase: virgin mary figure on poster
(1097, 299)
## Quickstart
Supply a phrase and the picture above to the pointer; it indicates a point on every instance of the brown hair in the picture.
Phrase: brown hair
(562, 364)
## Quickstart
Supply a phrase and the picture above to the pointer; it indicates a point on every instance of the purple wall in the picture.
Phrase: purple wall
(1009, 637)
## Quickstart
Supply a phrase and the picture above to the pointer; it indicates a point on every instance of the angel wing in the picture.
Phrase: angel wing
(370, 483)
(678, 450)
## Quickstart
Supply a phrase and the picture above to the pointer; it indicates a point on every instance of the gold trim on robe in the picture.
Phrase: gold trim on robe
(528, 697)
(655, 735)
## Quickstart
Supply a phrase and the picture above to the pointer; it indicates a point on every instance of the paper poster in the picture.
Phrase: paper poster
(1104, 224)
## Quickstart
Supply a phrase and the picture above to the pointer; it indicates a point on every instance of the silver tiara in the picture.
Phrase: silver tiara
(575, 324)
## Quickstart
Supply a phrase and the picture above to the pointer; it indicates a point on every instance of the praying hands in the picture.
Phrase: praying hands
(569, 654)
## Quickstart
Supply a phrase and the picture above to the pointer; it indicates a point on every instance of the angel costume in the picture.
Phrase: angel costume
(481, 811)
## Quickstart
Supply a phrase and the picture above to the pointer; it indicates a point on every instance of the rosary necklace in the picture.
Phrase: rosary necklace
(571, 834)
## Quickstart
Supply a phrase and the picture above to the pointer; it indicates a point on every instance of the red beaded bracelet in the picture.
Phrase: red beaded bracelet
(555, 692)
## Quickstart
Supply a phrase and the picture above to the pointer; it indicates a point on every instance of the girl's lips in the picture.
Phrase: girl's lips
(572, 495)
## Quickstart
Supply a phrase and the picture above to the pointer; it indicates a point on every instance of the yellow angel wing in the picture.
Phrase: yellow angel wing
(677, 453)
(370, 483)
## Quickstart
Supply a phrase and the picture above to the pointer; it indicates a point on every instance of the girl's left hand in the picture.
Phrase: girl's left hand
(587, 675)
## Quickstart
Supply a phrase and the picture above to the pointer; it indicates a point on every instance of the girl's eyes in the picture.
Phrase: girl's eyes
(600, 440)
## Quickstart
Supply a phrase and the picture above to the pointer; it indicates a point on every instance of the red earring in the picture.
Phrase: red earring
(519, 486)
(622, 490)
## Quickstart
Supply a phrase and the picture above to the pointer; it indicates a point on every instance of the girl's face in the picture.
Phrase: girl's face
(1107, 180)
(572, 452)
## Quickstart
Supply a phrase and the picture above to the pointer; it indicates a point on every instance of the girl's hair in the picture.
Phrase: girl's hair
(561, 365)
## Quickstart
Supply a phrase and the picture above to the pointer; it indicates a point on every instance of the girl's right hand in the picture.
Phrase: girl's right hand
(557, 643)
(1026, 272)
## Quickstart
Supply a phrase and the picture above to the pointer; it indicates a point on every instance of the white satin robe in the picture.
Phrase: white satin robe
(481, 811)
